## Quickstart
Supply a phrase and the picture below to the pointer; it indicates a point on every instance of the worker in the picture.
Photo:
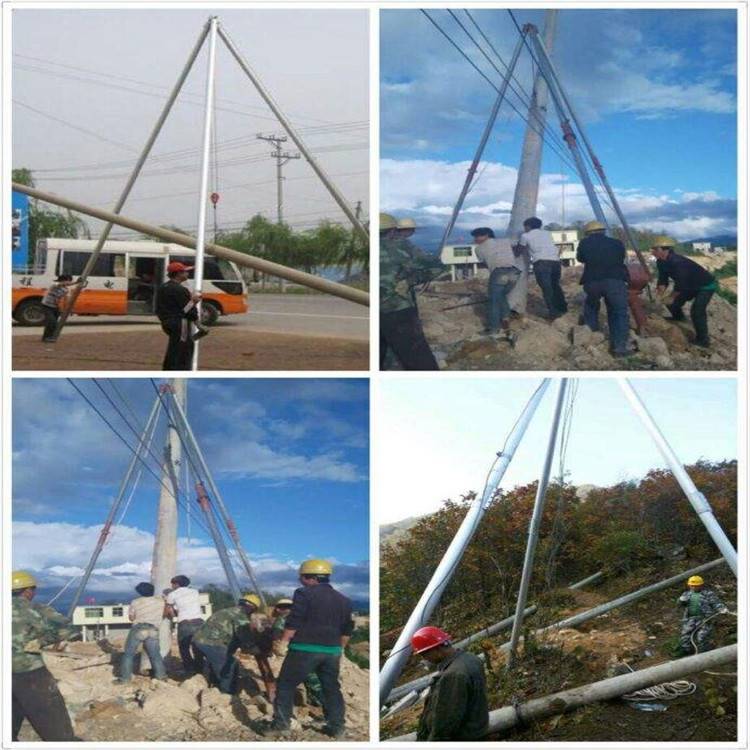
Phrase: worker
(456, 706)
(605, 275)
(545, 258)
(34, 690)
(316, 630)
(405, 228)
(184, 604)
(691, 282)
(280, 612)
(146, 613)
(505, 270)
(54, 298)
(697, 629)
(222, 634)
(402, 267)
(176, 309)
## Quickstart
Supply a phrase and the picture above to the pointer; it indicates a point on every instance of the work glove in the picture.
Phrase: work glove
(200, 331)
(280, 648)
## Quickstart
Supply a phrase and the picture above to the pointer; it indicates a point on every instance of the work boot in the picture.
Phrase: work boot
(200, 332)
(703, 343)
(275, 731)
(336, 733)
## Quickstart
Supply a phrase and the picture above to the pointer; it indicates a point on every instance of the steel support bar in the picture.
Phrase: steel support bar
(194, 447)
(482, 143)
(568, 700)
(536, 522)
(585, 581)
(145, 439)
(226, 563)
(697, 499)
(91, 263)
(292, 133)
(445, 569)
(200, 243)
(167, 235)
(581, 617)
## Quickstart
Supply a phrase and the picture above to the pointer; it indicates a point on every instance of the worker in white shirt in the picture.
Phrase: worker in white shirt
(545, 258)
(183, 604)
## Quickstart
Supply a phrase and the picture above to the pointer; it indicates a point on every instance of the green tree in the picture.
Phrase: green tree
(219, 598)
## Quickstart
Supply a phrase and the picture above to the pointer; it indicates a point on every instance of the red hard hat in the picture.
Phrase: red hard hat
(428, 637)
(176, 266)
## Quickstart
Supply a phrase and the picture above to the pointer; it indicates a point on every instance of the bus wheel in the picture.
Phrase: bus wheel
(30, 313)
(209, 313)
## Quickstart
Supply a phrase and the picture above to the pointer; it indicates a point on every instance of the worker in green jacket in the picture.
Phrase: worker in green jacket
(35, 694)
(456, 706)
(403, 267)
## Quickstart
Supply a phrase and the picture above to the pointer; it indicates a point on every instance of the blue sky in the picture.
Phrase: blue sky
(443, 434)
(290, 457)
(656, 90)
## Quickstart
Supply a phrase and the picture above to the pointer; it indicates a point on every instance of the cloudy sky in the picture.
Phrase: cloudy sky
(656, 90)
(433, 454)
(289, 456)
(82, 111)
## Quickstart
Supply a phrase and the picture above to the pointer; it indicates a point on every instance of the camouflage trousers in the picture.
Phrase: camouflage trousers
(695, 631)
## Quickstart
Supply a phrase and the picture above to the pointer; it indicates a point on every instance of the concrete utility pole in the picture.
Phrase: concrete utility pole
(282, 157)
(527, 186)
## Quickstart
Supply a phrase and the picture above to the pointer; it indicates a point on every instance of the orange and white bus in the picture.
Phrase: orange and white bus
(124, 280)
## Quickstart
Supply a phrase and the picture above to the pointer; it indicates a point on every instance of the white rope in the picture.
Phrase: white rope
(75, 578)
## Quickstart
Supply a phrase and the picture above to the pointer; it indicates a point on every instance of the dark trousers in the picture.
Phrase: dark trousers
(223, 666)
(697, 312)
(51, 314)
(615, 293)
(401, 331)
(502, 281)
(192, 658)
(295, 669)
(37, 698)
(179, 354)
(547, 275)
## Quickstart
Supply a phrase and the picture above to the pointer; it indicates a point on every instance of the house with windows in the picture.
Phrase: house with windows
(104, 620)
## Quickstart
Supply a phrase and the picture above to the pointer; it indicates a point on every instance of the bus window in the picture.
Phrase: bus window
(214, 269)
(107, 264)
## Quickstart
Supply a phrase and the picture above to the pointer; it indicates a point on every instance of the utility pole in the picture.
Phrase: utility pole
(282, 157)
(527, 186)
(350, 260)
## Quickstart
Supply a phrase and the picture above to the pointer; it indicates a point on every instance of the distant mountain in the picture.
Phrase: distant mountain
(390, 533)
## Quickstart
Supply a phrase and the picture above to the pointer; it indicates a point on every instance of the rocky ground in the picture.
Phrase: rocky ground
(455, 335)
(184, 708)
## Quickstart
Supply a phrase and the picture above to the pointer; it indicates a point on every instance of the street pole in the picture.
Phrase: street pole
(200, 246)
(282, 157)
(445, 569)
(91, 263)
(536, 522)
(697, 499)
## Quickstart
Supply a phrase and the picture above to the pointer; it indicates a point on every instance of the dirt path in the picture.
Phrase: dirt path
(221, 350)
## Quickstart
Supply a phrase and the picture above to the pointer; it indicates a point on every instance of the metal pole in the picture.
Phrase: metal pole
(167, 235)
(536, 522)
(205, 504)
(200, 246)
(694, 495)
(332, 189)
(445, 569)
(223, 511)
(89, 267)
(482, 143)
(144, 441)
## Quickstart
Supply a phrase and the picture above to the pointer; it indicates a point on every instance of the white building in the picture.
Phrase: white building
(464, 263)
(702, 247)
(99, 620)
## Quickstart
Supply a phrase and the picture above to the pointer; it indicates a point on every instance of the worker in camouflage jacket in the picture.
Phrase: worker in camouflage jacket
(403, 267)
(699, 604)
(36, 696)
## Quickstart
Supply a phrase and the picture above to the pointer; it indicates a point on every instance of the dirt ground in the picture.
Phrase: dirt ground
(184, 708)
(221, 350)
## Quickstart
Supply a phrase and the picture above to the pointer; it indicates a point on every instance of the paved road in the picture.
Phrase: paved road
(300, 314)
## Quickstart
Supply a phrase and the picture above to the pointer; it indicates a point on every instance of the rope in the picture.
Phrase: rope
(75, 578)
(695, 645)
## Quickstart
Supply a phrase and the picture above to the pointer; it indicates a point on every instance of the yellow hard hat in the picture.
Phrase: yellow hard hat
(593, 226)
(663, 241)
(406, 223)
(251, 598)
(387, 222)
(22, 579)
(695, 581)
(284, 601)
(316, 568)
